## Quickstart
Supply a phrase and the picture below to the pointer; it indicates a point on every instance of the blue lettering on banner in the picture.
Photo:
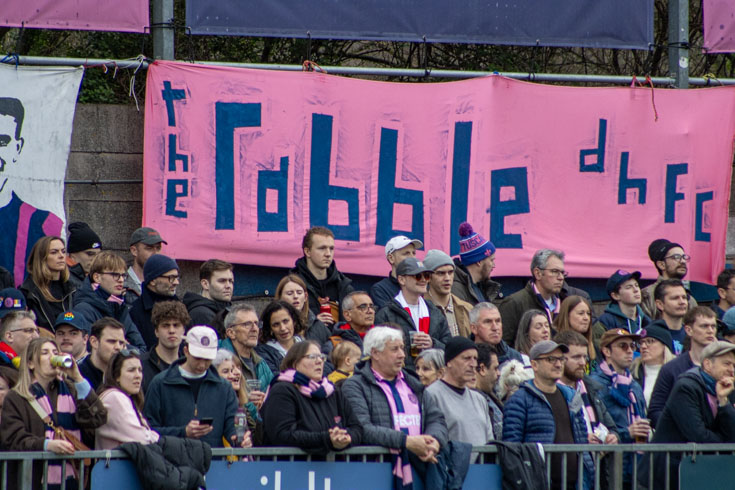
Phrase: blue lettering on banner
(460, 181)
(321, 191)
(673, 171)
(599, 152)
(169, 95)
(228, 117)
(175, 189)
(517, 178)
(699, 234)
(389, 195)
(626, 183)
(278, 181)
(173, 156)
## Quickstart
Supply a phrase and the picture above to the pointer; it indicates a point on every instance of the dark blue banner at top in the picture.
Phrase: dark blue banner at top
(574, 23)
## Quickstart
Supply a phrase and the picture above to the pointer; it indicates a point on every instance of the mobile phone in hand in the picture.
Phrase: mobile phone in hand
(206, 421)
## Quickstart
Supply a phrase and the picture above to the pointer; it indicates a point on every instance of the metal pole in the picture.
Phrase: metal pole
(162, 29)
(679, 42)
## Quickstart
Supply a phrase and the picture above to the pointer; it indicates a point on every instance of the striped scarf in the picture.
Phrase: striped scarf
(620, 390)
(587, 403)
(421, 323)
(64, 417)
(307, 386)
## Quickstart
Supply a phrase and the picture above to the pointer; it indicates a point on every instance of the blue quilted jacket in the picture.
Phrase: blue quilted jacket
(527, 417)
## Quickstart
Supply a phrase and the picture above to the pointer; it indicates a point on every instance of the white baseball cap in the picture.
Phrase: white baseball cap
(399, 242)
(202, 342)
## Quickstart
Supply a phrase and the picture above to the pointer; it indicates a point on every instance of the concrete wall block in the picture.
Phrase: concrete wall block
(107, 128)
(104, 166)
(105, 192)
(113, 221)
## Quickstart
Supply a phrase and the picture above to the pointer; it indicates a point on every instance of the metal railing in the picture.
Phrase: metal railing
(365, 454)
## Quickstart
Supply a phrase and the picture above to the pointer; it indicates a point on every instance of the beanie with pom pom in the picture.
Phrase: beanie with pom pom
(473, 247)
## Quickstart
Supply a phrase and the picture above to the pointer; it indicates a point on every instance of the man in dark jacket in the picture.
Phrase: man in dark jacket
(101, 295)
(545, 291)
(671, 263)
(398, 248)
(700, 325)
(487, 327)
(190, 391)
(476, 262)
(542, 411)
(161, 279)
(403, 422)
(359, 311)
(324, 282)
(82, 247)
(624, 310)
(106, 339)
(170, 320)
(423, 324)
(699, 409)
(218, 284)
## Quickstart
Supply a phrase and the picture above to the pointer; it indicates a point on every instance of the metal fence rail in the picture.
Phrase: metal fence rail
(378, 454)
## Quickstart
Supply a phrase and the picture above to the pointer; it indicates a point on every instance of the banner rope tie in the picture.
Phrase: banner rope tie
(141, 59)
(653, 100)
(309, 65)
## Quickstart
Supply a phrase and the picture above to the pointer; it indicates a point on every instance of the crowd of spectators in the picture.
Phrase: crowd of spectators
(431, 361)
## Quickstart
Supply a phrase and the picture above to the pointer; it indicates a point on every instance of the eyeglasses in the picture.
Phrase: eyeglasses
(117, 275)
(648, 341)
(171, 278)
(365, 307)
(426, 276)
(556, 272)
(28, 330)
(627, 346)
(679, 258)
(316, 357)
(553, 359)
(246, 325)
(129, 352)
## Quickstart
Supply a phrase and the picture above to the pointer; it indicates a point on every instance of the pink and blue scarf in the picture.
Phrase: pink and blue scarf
(307, 386)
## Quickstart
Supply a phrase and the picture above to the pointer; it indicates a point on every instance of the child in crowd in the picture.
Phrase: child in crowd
(344, 357)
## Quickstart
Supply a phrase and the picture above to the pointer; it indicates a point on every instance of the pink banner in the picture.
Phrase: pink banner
(88, 15)
(239, 163)
(719, 25)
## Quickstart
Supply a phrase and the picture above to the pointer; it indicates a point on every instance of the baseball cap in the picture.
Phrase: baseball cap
(717, 348)
(11, 300)
(149, 236)
(614, 334)
(399, 242)
(202, 342)
(410, 267)
(545, 347)
(73, 319)
(619, 277)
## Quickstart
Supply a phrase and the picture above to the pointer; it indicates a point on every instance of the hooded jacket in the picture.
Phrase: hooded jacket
(336, 286)
(464, 289)
(46, 311)
(612, 318)
(140, 313)
(394, 313)
(170, 405)
(77, 275)
(203, 310)
(94, 306)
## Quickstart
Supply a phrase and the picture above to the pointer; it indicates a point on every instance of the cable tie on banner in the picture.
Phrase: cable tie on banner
(116, 67)
(711, 76)
(653, 100)
(309, 65)
(104, 67)
(633, 81)
(131, 93)
(11, 57)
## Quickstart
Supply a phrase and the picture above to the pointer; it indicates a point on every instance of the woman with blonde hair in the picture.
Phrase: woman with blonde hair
(575, 314)
(47, 399)
(655, 345)
(47, 288)
(228, 366)
(292, 289)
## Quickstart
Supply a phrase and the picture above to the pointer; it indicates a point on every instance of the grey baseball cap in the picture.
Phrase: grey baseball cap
(545, 347)
(149, 236)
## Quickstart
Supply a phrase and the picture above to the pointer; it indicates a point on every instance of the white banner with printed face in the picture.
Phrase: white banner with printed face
(36, 114)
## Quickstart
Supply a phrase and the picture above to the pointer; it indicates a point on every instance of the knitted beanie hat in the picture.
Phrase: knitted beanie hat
(455, 346)
(473, 247)
(82, 237)
(157, 265)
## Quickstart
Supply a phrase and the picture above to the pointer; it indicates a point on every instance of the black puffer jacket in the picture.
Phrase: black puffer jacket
(171, 463)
